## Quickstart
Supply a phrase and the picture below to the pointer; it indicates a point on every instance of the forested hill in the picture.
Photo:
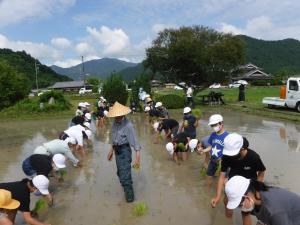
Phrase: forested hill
(273, 56)
(25, 64)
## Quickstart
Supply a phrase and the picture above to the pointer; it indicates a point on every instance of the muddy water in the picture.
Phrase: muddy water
(175, 195)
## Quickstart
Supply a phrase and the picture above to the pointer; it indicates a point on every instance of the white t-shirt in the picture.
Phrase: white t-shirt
(76, 132)
(189, 92)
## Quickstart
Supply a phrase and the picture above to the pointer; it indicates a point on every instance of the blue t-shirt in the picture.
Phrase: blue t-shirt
(217, 143)
(190, 129)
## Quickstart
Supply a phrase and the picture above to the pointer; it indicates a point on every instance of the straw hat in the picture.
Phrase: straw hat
(118, 110)
(6, 202)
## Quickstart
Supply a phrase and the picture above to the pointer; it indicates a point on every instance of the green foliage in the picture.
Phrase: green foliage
(171, 101)
(40, 205)
(194, 54)
(141, 81)
(114, 89)
(40, 104)
(139, 209)
(267, 82)
(13, 86)
(273, 56)
(181, 147)
(95, 82)
(196, 113)
(25, 64)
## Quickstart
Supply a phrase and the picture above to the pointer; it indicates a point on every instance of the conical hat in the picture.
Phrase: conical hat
(118, 110)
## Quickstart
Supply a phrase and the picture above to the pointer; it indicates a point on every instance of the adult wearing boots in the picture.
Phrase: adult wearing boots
(123, 139)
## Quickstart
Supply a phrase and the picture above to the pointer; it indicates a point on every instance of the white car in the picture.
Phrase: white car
(236, 84)
(83, 91)
(215, 86)
(176, 87)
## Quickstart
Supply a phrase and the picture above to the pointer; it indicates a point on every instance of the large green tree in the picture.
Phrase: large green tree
(197, 54)
(114, 89)
(14, 86)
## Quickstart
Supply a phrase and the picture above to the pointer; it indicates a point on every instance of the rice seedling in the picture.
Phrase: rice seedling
(40, 205)
(197, 113)
(139, 209)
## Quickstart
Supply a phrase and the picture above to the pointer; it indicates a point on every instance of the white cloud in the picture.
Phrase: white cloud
(264, 28)
(156, 28)
(113, 40)
(67, 63)
(37, 50)
(61, 42)
(84, 49)
(14, 11)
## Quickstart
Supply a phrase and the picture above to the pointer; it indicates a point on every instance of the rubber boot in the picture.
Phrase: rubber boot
(129, 194)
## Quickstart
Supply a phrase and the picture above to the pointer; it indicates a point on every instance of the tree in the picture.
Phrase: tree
(95, 82)
(142, 81)
(13, 86)
(197, 55)
(114, 89)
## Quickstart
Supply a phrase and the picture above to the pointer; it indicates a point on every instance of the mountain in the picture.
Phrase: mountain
(273, 56)
(25, 64)
(101, 68)
(132, 72)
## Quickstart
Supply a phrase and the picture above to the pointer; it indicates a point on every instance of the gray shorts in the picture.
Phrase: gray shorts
(3, 215)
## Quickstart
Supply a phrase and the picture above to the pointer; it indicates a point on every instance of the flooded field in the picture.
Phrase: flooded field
(174, 194)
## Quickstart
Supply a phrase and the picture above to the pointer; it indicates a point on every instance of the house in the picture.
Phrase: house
(155, 83)
(250, 72)
(70, 86)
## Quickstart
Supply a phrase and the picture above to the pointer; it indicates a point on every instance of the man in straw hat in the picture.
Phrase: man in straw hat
(123, 138)
(7, 205)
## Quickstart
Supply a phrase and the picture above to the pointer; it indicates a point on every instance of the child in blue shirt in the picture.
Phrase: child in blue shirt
(216, 144)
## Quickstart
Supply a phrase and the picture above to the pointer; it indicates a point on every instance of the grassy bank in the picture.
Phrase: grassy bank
(252, 105)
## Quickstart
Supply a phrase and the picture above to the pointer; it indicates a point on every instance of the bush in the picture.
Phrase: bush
(266, 82)
(171, 101)
(114, 89)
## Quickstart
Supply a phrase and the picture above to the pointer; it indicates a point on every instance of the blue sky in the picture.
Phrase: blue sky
(60, 31)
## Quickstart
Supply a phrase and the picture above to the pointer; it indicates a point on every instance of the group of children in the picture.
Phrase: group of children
(241, 169)
(46, 161)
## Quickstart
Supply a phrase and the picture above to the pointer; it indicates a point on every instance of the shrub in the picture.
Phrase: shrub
(266, 82)
(114, 89)
(171, 101)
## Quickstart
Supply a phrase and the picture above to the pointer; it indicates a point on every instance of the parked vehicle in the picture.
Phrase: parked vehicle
(215, 86)
(236, 84)
(83, 91)
(176, 87)
(289, 95)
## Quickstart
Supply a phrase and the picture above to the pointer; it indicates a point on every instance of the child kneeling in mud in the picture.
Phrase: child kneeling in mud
(179, 147)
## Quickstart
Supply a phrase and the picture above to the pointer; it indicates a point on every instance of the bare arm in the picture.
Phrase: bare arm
(30, 220)
(220, 185)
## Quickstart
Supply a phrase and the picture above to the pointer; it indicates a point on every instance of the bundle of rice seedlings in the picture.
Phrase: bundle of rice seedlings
(139, 209)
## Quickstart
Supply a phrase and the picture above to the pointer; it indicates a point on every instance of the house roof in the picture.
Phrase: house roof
(248, 66)
(68, 84)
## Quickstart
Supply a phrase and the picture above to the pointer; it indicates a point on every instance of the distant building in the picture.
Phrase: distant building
(170, 85)
(70, 86)
(250, 72)
(155, 83)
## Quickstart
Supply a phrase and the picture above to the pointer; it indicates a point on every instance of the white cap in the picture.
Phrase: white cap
(71, 140)
(41, 183)
(101, 97)
(170, 148)
(87, 104)
(235, 189)
(88, 116)
(105, 112)
(214, 119)
(147, 96)
(187, 110)
(89, 134)
(156, 125)
(158, 104)
(59, 161)
(232, 144)
(81, 104)
(193, 144)
(87, 124)
(147, 109)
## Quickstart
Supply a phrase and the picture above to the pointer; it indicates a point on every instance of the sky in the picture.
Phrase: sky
(59, 32)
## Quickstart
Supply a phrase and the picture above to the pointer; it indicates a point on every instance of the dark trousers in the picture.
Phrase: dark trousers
(190, 102)
(123, 161)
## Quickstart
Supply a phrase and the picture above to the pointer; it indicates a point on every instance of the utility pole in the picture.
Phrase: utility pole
(82, 70)
(36, 76)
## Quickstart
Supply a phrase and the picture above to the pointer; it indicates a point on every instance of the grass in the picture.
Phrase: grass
(139, 209)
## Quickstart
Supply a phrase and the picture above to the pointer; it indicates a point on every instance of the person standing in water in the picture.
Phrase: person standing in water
(123, 138)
